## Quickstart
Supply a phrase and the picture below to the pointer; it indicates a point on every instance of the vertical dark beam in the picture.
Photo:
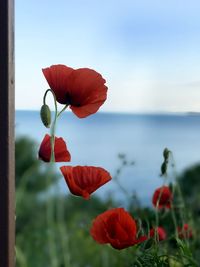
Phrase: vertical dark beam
(7, 163)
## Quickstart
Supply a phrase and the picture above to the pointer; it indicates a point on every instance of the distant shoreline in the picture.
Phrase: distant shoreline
(193, 113)
(189, 113)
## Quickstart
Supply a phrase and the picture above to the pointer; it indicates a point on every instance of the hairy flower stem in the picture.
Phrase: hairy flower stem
(50, 208)
(62, 110)
(50, 234)
(50, 204)
(62, 228)
(130, 197)
(174, 221)
(182, 209)
(157, 212)
(53, 126)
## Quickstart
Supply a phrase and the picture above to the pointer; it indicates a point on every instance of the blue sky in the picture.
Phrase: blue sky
(148, 51)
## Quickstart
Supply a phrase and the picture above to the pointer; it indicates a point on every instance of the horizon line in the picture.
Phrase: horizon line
(129, 112)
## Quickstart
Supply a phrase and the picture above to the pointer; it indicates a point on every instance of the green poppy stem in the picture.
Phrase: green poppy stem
(62, 110)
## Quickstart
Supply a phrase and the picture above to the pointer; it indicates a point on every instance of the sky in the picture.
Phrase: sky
(148, 51)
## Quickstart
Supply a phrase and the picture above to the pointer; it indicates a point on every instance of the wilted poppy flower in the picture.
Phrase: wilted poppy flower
(84, 180)
(83, 89)
(160, 232)
(60, 150)
(185, 231)
(117, 228)
(162, 197)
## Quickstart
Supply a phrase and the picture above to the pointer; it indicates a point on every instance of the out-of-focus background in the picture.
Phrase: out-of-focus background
(149, 54)
(98, 139)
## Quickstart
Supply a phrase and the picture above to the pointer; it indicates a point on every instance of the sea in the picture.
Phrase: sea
(99, 139)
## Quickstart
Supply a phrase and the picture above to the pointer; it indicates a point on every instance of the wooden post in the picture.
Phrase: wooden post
(7, 144)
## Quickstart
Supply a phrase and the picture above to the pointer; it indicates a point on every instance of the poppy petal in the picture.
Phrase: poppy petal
(115, 227)
(60, 150)
(87, 92)
(162, 197)
(90, 108)
(57, 77)
(98, 231)
(185, 231)
(161, 233)
(84, 180)
(83, 89)
(84, 83)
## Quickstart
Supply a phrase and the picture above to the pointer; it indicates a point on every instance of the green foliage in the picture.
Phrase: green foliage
(31, 175)
(151, 259)
(52, 228)
(186, 254)
(156, 256)
(190, 184)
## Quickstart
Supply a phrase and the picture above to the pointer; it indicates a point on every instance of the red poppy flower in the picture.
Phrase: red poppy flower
(60, 150)
(84, 180)
(161, 233)
(83, 89)
(185, 231)
(117, 228)
(162, 197)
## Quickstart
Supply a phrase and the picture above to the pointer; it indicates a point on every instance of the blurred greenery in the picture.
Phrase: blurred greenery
(52, 228)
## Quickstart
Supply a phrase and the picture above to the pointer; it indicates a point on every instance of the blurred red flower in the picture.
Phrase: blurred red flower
(84, 180)
(162, 197)
(117, 228)
(185, 231)
(60, 150)
(161, 233)
(83, 89)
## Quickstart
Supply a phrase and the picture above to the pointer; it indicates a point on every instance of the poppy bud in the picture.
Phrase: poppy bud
(164, 168)
(166, 153)
(45, 115)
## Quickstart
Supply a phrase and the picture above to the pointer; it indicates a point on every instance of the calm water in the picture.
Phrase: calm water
(98, 139)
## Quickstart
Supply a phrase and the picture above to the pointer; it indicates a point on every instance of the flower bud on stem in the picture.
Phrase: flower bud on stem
(45, 115)
(46, 119)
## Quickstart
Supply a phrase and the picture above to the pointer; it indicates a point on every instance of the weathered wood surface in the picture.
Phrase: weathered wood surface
(7, 160)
